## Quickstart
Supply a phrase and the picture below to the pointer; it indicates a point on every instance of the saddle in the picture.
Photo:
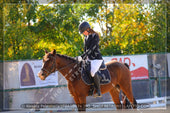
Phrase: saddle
(103, 73)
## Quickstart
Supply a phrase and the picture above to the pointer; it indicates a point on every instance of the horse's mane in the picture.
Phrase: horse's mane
(67, 57)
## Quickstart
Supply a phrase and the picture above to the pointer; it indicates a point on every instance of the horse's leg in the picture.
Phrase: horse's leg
(82, 104)
(76, 100)
(125, 102)
(74, 95)
(115, 97)
(135, 104)
(127, 89)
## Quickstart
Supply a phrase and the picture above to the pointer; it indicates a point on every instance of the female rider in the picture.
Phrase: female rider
(91, 52)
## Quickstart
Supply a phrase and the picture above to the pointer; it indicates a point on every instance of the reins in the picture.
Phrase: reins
(65, 67)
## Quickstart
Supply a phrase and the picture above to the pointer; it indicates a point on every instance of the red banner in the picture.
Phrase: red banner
(138, 65)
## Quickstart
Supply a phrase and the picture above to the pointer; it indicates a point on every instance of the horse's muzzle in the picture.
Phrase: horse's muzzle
(41, 76)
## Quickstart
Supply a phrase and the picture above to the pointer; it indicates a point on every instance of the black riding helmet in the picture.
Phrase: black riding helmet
(83, 26)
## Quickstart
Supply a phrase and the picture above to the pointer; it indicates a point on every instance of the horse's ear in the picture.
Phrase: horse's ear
(46, 51)
(54, 52)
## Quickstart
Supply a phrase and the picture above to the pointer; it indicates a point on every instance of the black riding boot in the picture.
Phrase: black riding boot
(97, 85)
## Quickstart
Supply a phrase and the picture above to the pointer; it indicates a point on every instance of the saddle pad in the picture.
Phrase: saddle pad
(104, 76)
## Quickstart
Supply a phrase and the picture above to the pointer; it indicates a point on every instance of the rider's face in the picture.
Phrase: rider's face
(85, 33)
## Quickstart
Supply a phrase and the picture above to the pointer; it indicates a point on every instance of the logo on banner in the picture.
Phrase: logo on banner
(137, 64)
(28, 71)
(27, 75)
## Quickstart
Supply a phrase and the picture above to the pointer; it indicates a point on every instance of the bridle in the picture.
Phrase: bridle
(53, 67)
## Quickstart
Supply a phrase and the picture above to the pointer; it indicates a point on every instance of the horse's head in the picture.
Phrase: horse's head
(49, 64)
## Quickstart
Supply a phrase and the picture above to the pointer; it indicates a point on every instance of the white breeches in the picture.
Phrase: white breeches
(95, 65)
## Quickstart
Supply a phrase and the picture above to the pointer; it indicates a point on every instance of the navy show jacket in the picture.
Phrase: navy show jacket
(91, 47)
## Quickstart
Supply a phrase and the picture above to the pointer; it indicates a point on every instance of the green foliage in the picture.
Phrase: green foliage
(30, 28)
(135, 29)
(1, 30)
(167, 28)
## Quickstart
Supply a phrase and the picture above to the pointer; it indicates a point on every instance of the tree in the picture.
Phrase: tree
(18, 40)
(31, 28)
(128, 28)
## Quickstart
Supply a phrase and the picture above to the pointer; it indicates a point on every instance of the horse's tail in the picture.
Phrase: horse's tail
(126, 65)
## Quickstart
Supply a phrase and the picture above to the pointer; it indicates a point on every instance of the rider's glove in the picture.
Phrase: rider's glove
(79, 58)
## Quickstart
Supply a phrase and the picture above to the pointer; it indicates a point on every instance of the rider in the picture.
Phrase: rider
(91, 52)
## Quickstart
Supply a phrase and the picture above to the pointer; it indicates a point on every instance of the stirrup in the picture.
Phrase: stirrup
(97, 95)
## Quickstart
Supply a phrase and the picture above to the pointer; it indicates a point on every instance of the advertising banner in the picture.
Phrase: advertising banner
(168, 58)
(28, 74)
(138, 65)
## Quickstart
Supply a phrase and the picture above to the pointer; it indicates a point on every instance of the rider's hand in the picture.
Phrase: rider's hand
(79, 58)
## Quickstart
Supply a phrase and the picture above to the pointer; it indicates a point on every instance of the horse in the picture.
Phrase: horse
(70, 68)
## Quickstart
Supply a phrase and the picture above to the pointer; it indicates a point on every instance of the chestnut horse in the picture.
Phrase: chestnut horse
(71, 70)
